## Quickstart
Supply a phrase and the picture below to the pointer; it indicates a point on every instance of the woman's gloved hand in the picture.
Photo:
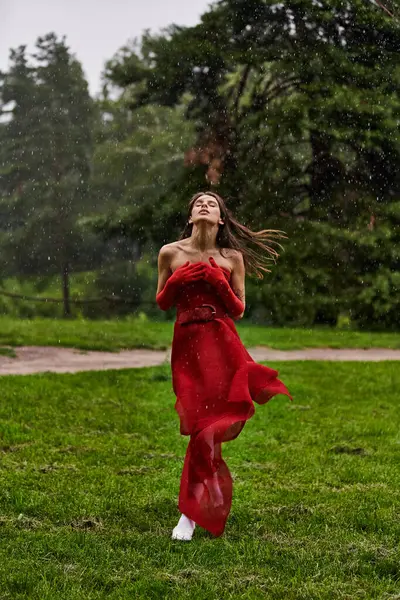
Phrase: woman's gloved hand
(214, 274)
(183, 274)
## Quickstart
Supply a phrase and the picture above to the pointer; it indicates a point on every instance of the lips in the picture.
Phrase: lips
(205, 212)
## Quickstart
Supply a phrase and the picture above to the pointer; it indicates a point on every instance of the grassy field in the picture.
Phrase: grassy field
(142, 333)
(89, 479)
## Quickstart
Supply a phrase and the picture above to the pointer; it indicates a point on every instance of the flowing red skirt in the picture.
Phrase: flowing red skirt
(216, 383)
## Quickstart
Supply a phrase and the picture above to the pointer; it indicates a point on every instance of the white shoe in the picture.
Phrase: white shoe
(184, 530)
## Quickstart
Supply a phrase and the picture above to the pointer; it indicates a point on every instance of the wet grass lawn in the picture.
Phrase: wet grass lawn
(90, 465)
(141, 333)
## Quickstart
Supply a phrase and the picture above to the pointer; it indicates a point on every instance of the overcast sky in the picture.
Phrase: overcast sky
(94, 29)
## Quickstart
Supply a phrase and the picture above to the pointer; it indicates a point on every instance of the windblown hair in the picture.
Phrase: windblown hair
(255, 246)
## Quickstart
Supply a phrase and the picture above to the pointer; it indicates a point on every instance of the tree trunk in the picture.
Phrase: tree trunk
(326, 178)
(65, 285)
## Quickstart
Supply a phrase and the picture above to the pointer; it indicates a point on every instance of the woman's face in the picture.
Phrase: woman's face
(206, 208)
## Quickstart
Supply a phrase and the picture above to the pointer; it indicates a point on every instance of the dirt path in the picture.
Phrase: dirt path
(38, 359)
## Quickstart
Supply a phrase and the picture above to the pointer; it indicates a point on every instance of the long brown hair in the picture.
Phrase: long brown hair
(233, 234)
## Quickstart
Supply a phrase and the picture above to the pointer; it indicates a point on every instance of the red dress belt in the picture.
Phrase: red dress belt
(204, 312)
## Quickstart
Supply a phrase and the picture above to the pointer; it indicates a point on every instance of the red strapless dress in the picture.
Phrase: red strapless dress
(215, 381)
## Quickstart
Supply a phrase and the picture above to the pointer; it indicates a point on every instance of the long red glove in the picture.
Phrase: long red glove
(184, 274)
(214, 275)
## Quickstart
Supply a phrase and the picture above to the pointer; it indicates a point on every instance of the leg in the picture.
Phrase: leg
(214, 488)
(184, 529)
(205, 493)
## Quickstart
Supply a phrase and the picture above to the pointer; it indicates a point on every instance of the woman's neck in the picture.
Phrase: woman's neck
(204, 238)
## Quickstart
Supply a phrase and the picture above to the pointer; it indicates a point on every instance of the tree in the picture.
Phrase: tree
(307, 88)
(47, 150)
(137, 165)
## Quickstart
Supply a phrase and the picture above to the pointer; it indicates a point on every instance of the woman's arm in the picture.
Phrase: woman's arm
(164, 268)
(166, 287)
(231, 293)
(169, 283)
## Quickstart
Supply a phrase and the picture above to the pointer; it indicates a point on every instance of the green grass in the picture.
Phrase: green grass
(114, 335)
(89, 479)
(9, 352)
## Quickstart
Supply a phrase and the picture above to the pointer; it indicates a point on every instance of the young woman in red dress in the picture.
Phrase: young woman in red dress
(214, 378)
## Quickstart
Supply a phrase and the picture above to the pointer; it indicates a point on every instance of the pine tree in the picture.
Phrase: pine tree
(46, 158)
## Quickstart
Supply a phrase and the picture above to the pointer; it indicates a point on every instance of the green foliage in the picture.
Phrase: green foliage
(326, 271)
(377, 306)
(298, 104)
(137, 154)
(306, 285)
(123, 280)
(45, 154)
(289, 110)
(308, 89)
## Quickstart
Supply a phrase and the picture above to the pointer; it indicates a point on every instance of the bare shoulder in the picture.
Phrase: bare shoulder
(236, 257)
(168, 250)
(166, 255)
(231, 252)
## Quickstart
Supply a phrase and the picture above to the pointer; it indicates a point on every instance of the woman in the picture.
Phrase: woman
(214, 378)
